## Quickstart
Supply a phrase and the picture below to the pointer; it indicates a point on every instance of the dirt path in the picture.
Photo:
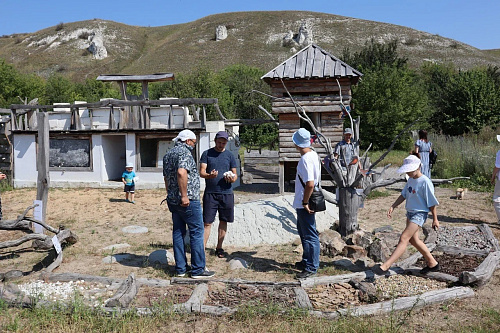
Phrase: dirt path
(97, 216)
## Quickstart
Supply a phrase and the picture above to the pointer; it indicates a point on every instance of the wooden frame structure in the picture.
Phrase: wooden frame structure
(320, 83)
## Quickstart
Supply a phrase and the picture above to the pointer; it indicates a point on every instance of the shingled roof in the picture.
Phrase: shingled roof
(312, 62)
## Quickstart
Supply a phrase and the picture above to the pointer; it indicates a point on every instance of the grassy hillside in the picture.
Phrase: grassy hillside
(254, 38)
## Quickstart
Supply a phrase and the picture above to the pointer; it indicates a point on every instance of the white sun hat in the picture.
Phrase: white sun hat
(411, 163)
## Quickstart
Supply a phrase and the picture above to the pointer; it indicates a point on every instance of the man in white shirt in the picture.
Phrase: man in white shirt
(308, 175)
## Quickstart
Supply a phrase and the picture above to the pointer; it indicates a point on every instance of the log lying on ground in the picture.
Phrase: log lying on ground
(461, 251)
(198, 296)
(483, 272)
(489, 236)
(125, 294)
(57, 262)
(234, 281)
(24, 239)
(64, 236)
(14, 297)
(405, 303)
(433, 275)
(302, 299)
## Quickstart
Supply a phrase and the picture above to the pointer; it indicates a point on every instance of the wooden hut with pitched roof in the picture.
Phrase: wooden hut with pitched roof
(319, 82)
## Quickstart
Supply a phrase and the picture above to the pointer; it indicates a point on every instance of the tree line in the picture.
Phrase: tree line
(446, 99)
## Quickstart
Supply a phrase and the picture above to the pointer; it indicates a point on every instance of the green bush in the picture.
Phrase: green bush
(471, 155)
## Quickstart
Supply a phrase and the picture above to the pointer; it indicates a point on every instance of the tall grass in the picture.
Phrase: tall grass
(470, 155)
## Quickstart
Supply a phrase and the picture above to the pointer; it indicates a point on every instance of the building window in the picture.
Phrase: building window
(70, 153)
(151, 151)
(316, 120)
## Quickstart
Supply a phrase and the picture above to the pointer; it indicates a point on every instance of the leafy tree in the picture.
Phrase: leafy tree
(374, 56)
(470, 100)
(387, 100)
(59, 89)
(92, 90)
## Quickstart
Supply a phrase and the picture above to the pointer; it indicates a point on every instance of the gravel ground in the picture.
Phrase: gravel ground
(405, 285)
(470, 239)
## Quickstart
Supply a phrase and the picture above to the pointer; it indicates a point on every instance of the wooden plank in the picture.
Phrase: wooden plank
(319, 64)
(326, 108)
(290, 67)
(317, 88)
(309, 62)
(316, 101)
(42, 162)
(300, 65)
(329, 67)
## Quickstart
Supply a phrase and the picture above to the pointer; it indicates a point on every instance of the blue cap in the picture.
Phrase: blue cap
(302, 138)
(222, 134)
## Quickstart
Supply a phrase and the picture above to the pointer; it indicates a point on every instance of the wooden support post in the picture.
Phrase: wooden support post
(42, 162)
(282, 177)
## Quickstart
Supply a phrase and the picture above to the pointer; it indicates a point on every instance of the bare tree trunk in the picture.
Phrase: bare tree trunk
(349, 202)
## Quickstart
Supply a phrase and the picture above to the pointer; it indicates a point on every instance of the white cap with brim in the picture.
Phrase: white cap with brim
(185, 135)
(411, 163)
(302, 138)
(129, 166)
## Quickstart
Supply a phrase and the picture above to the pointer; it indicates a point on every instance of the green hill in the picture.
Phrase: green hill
(254, 38)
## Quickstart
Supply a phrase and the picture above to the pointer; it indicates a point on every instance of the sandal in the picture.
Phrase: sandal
(220, 253)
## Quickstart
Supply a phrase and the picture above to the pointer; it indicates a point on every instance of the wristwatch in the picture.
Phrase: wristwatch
(305, 203)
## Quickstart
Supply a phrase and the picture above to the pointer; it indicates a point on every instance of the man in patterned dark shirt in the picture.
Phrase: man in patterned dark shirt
(182, 182)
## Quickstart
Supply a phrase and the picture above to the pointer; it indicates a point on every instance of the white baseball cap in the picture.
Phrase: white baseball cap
(411, 163)
(185, 135)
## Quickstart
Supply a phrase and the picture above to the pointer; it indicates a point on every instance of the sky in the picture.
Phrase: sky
(472, 22)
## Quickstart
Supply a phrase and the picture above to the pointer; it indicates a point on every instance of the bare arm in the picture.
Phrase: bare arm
(396, 203)
(435, 222)
(182, 180)
(308, 190)
(494, 175)
(204, 174)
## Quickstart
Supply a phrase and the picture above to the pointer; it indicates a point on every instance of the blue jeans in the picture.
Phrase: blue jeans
(309, 236)
(191, 217)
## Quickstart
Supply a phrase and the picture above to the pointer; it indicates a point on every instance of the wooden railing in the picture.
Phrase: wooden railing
(121, 114)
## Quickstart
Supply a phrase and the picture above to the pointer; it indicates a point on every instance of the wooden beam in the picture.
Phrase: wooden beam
(42, 162)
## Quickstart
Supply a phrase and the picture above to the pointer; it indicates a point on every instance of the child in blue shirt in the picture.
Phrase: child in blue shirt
(128, 179)
(420, 199)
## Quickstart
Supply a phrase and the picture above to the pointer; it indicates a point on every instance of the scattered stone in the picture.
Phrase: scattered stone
(135, 229)
(360, 238)
(12, 275)
(354, 251)
(331, 243)
(378, 251)
(237, 263)
(160, 258)
(297, 242)
(115, 247)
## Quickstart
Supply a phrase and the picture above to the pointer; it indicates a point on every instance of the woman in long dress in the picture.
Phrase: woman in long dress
(423, 147)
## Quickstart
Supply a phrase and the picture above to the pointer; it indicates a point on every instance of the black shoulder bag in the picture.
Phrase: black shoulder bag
(316, 200)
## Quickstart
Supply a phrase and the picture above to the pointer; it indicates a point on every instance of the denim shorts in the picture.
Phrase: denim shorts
(417, 217)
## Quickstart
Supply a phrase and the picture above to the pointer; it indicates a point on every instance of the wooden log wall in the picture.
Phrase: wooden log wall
(5, 146)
